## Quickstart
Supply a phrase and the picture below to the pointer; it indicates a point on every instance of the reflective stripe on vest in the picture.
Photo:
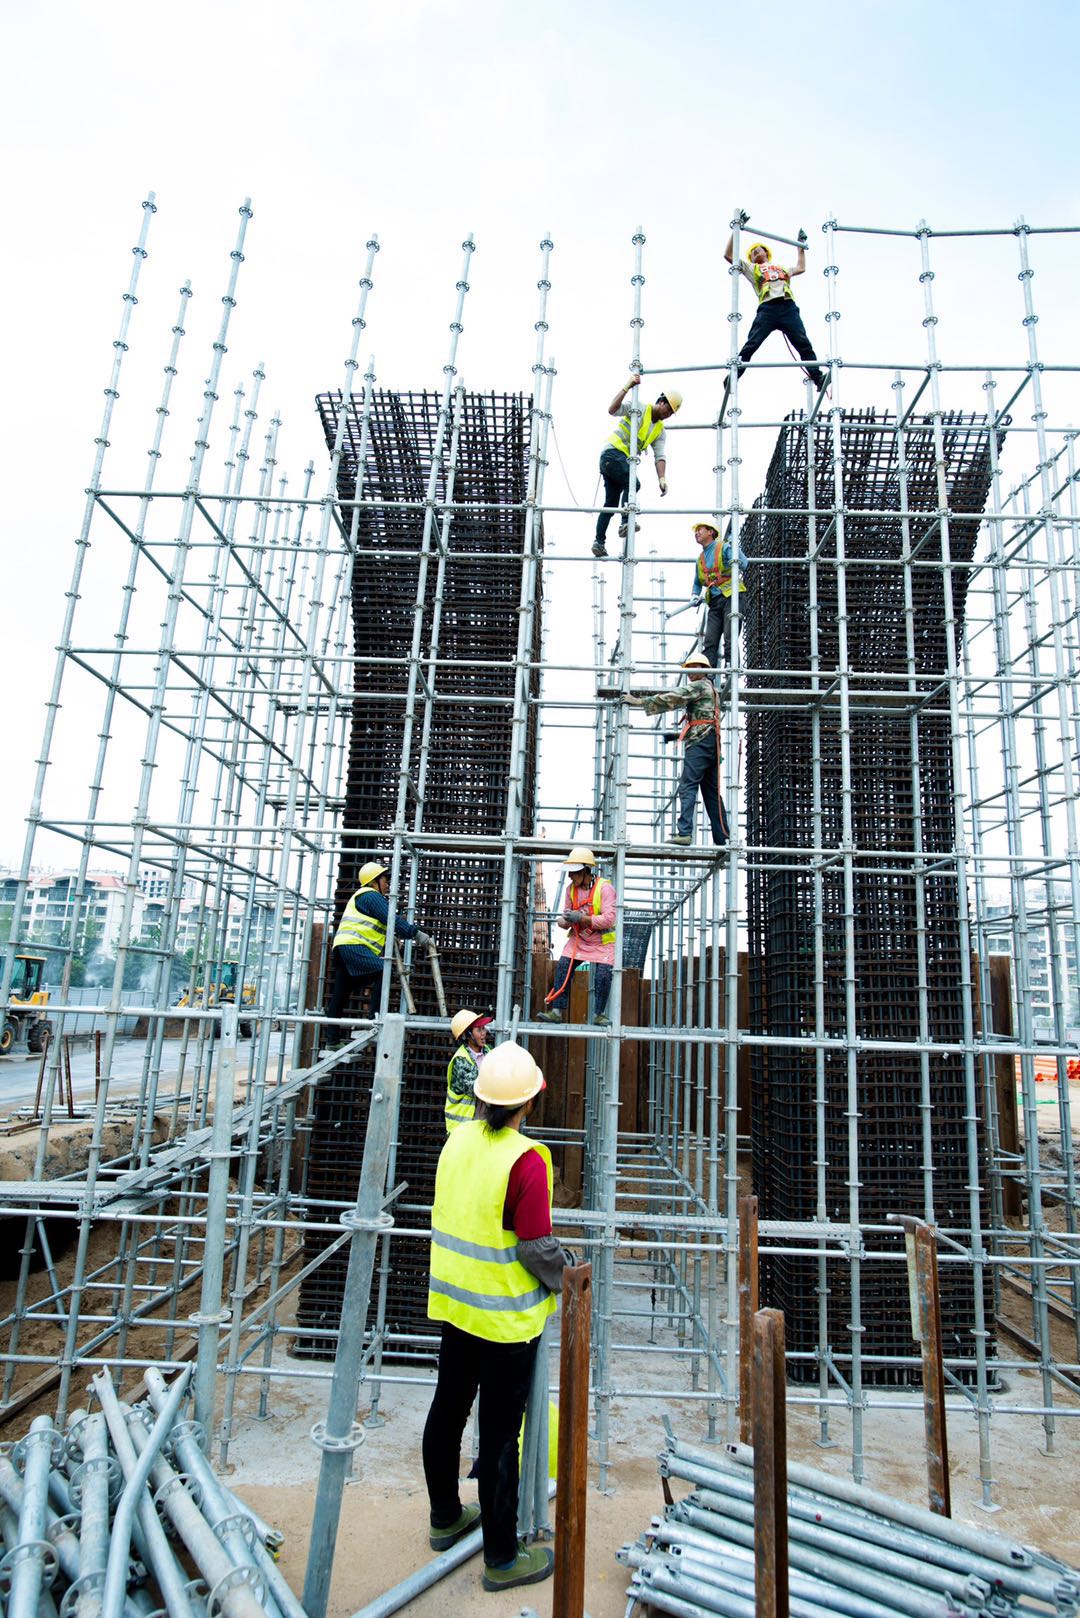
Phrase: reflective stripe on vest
(595, 901)
(478, 1283)
(459, 1109)
(704, 724)
(648, 432)
(717, 577)
(768, 278)
(356, 928)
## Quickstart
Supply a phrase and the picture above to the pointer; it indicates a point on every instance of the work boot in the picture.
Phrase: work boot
(441, 1539)
(683, 837)
(601, 1020)
(624, 526)
(599, 548)
(531, 1564)
(549, 1016)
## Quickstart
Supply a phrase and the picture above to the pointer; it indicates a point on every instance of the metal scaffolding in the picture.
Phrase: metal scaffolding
(222, 641)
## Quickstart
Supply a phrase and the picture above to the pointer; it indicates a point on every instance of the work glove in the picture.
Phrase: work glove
(574, 918)
(802, 238)
(663, 487)
(741, 218)
(424, 938)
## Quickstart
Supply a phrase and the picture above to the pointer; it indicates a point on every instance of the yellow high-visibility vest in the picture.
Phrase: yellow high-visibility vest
(648, 432)
(717, 577)
(460, 1109)
(594, 902)
(477, 1282)
(356, 928)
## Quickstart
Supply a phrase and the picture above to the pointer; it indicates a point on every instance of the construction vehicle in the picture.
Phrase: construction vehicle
(24, 1022)
(222, 993)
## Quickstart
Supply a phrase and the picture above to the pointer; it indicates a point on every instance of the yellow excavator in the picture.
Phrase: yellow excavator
(222, 993)
(24, 1021)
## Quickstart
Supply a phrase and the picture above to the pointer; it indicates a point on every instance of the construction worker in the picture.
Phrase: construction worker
(359, 947)
(615, 456)
(470, 1033)
(777, 309)
(701, 738)
(589, 918)
(712, 577)
(495, 1270)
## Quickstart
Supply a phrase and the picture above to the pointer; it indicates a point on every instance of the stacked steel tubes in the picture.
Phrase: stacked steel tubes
(850, 1550)
(92, 1519)
(855, 933)
(464, 589)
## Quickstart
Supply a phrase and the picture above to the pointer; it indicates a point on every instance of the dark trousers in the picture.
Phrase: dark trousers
(344, 984)
(781, 314)
(716, 629)
(501, 1373)
(701, 772)
(601, 986)
(615, 471)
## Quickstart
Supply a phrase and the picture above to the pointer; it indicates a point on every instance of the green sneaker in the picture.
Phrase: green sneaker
(602, 1020)
(549, 1016)
(682, 838)
(441, 1539)
(532, 1564)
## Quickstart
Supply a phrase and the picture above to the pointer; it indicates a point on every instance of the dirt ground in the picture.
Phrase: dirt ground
(383, 1528)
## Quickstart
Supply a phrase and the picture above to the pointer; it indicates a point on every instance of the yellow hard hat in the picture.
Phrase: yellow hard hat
(697, 660)
(707, 522)
(464, 1020)
(578, 857)
(370, 873)
(673, 397)
(508, 1077)
(766, 249)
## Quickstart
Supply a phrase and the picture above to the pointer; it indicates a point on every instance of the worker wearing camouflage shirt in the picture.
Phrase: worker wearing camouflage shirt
(700, 736)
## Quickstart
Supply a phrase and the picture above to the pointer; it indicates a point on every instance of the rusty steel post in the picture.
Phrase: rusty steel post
(748, 1303)
(568, 1599)
(920, 1241)
(770, 1467)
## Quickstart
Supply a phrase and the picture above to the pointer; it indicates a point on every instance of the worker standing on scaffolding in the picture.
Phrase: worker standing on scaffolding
(589, 918)
(359, 947)
(470, 1033)
(495, 1269)
(702, 757)
(777, 309)
(615, 456)
(712, 578)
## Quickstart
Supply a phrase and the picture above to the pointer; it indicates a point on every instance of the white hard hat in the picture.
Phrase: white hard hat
(509, 1077)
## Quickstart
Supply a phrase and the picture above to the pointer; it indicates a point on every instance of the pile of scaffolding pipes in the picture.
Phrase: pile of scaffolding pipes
(850, 1550)
(122, 1517)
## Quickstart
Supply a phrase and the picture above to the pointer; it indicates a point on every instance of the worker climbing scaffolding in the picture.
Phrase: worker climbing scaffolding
(713, 581)
(777, 309)
(702, 756)
(359, 947)
(615, 456)
(589, 918)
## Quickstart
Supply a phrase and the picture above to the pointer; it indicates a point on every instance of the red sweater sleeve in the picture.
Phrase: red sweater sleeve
(526, 1210)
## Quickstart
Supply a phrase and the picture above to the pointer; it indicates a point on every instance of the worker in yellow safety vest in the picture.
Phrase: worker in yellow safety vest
(713, 580)
(615, 455)
(589, 918)
(777, 309)
(470, 1032)
(495, 1269)
(359, 948)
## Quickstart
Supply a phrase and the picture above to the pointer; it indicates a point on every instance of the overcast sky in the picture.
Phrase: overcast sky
(422, 121)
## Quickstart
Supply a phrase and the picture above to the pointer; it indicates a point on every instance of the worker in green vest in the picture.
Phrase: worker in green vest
(615, 455)
(470, 1033)
(359, 948)
(495, 1270)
